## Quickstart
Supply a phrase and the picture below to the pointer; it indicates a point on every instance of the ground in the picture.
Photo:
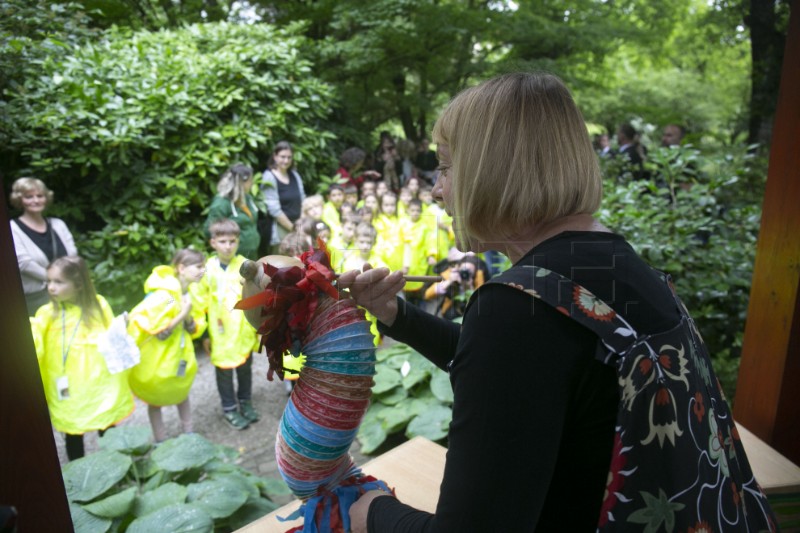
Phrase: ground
(256, 444)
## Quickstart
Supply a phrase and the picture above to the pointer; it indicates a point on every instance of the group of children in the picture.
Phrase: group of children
(181, 301)
(403, 231)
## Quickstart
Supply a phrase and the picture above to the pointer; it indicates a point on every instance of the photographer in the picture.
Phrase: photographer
(465, 273)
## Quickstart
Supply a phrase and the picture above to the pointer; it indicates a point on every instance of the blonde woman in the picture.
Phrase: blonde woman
(608, 416)
(233, 201)
(38, 240)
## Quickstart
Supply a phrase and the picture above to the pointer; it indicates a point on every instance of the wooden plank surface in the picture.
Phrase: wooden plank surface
(414, 469)
(774, 472)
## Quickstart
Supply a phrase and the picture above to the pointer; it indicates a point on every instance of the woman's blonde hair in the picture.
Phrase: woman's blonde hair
(26, 185)
(521, 155)
(231, 184)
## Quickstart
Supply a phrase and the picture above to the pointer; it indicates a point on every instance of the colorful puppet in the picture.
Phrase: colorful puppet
(295, 307)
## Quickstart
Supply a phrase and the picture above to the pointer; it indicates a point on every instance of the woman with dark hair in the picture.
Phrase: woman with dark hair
(350, 163)
(233, 201)
(38, 240)
(283, 192)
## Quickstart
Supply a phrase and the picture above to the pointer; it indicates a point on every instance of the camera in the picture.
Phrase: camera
(464, 273)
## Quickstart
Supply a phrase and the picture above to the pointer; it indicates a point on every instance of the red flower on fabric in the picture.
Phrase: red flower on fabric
(591, 305)
(700, 527)
(289, 301)
(699, 407)
(615, 481)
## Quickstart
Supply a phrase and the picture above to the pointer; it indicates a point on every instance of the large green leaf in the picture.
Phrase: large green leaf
(432, 424)
(220, 498)
(85, 522)
(251, 511)
(385, 379)
(272, 487)
(393, 397)
(183, 453)
(238, 477)
(166, 494)
(441, 387)
(128, 439)
(88, 477)
(397, 417)
(114, 506)
(176, 518)
(371, 435)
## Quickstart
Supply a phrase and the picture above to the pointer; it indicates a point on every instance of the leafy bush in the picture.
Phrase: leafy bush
(186, 483)
(410, 395)
(696, 219)
(132, 131)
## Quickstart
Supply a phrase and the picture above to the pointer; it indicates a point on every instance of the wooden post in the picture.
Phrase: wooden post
(768, 390)
(30, 474)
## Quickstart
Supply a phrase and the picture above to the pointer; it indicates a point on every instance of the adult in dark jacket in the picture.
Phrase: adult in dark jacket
(538, 450)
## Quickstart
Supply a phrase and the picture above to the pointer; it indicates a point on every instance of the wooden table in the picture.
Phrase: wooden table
(775, 473)
(414, 469)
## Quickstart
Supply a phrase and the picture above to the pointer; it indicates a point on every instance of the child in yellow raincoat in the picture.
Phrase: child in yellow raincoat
(233, 339)
(390, 245)
(81, 393)
(163, 326)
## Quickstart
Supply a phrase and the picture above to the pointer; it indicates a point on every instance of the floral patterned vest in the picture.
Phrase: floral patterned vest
(678, 463)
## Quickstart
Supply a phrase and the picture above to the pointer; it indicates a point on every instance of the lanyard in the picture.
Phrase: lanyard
(64, 346)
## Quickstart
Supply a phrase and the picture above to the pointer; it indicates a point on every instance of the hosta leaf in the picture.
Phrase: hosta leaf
(177, 518)
(432, 424)
(131, 439)
(371, 435)
(441, 387)
(89, 477)
(113, 506)
(385, 379)
(220, 498)
(393, 397)
(183, 453)
(166, 494)
(251, 511)
(85, 522)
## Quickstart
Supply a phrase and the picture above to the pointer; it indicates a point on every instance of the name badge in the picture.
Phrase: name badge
(62, 386)
(181, 368)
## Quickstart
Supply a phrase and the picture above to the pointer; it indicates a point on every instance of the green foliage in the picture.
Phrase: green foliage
(700, 225)
(184, 484)
(392, 60)
(410, 395)
(132, 132)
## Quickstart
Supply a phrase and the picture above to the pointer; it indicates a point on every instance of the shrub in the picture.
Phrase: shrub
(133, 130)
(696, 219)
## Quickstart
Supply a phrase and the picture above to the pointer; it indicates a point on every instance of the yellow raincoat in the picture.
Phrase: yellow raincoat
(96, 398)
(233, 339)
(390, 246)
(167, 369)
(421, 243)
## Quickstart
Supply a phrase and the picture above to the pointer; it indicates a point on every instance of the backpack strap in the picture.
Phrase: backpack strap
(578, 303)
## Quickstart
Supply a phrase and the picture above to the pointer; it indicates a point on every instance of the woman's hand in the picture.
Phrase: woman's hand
(360, 509)
(376, 290)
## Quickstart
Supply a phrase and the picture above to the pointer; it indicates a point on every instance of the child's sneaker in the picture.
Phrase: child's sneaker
(236, 420)
(249, 412)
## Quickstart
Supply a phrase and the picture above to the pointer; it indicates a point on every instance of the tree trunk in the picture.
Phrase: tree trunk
(766, 45)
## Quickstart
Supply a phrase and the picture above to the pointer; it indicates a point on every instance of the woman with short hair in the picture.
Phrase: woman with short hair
(38, 240)
(591, 427)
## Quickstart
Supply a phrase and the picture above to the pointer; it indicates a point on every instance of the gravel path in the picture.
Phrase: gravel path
(255, 444)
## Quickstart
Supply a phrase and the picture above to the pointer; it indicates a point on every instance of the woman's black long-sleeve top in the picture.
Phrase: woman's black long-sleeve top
(533, 419)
